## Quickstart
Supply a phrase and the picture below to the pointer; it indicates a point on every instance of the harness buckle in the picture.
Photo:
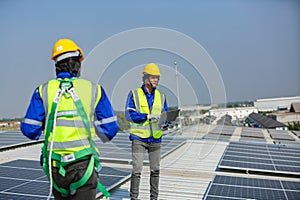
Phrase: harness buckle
(68, 158)
(65, 86)
(73, 192)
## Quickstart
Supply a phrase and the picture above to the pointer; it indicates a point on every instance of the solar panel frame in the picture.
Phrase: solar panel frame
(233, 187)
(280, 135)
(255, 139)
(289, 142)
(259, 157)
(252, 133)
(217, 137)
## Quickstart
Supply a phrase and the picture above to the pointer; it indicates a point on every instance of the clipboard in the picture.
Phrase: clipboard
(168, 116)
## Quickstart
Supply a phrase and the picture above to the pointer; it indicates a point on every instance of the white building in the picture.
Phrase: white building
(195, 108)
(274, 104)
(235, 113)
(288, 117)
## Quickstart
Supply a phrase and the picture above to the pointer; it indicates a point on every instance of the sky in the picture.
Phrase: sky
(232, 50)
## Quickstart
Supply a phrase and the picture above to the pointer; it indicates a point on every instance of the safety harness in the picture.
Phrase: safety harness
(59, 161)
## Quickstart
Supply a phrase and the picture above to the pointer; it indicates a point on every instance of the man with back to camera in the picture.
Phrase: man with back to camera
(69, 111)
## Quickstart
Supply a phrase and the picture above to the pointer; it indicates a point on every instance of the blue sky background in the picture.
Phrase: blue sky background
(254, 43)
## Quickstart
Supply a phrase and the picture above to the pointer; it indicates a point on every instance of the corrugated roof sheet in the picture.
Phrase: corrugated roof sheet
(266, 122)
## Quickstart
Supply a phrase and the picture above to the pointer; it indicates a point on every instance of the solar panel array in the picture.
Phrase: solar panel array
(230, 187)
(220, 132)
(25, 179)
(119, 149)
(252, 134)
(9, 139)
(281, 136)
(261, 158)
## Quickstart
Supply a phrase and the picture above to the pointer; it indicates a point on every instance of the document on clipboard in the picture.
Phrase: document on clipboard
(168, 116)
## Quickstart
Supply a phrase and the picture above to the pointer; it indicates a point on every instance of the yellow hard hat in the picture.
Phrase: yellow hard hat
(152, 69)
(63, 46)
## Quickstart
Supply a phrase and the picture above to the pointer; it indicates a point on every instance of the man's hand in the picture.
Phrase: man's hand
(165, 125)
(153, 117)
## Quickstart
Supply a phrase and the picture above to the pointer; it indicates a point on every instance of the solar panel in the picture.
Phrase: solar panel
(280, 135)
(256, 133)
(223, 129)
(119, 149)
(252, 134)
(261, 158)
(12, 139)
(216, 136)
(25, 179)
(220, 133)
(230, 187)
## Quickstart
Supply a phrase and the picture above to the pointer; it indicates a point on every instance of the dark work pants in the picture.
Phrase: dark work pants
(74, 172)
(138, 151)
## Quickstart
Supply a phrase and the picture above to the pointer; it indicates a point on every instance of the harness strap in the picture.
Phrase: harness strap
(102, 189)
(85, 177)
(74, 186)
(68, 159)
(59, 160)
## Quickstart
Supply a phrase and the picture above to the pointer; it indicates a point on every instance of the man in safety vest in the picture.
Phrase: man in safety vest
(70, 111)
(143, 108)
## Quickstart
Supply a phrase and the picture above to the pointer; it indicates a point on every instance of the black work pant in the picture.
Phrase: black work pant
(74, 172)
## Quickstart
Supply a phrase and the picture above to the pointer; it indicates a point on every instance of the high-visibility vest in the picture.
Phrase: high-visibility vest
(70, 132)
(69, 105)
(147, 128)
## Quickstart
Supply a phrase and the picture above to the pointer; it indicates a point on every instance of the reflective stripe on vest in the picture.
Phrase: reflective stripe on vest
(71, 144)
(69, 125)
(33, 122)
(106, 120)
(147, 129)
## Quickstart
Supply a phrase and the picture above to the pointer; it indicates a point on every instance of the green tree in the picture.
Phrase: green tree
(295, 126)
(124, 124)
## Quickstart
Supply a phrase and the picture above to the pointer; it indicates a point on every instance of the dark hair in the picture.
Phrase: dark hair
(145, 77)
(71, 65)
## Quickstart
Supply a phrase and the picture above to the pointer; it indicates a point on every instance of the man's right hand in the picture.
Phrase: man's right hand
(153, 117)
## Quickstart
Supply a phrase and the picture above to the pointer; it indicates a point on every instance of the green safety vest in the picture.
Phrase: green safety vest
(69, 106)
(147, 128)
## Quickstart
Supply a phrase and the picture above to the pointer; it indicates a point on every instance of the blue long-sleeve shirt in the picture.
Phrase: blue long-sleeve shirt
(34, 123)
(132, 115)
